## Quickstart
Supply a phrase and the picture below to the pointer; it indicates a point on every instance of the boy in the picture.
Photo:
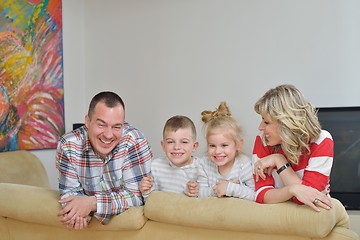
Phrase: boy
(177, 172)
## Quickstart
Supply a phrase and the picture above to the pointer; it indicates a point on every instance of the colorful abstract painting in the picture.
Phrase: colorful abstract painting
(31, 74)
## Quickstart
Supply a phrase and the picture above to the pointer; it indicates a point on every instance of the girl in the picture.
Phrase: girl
(225, 171)
(293, 157)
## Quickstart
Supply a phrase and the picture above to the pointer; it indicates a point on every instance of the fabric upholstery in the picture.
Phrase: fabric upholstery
(227, 213)
(28, 211)
(22, 167)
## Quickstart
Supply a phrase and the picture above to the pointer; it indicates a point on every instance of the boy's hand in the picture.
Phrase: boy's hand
(146, 184)
(193, 189)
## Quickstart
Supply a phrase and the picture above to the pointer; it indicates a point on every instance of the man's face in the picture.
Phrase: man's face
(105, 128)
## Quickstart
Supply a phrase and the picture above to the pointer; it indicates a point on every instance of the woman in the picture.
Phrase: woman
(294, 156)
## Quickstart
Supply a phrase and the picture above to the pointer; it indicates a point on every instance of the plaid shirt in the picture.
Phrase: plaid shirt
(114, 181)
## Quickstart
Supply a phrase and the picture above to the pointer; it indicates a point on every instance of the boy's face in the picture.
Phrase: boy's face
(179, 146)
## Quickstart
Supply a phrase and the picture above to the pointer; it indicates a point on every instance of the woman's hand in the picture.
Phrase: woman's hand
(311, 197)
(266, 165)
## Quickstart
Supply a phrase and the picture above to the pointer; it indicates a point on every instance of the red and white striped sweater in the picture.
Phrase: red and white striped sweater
(314, 168)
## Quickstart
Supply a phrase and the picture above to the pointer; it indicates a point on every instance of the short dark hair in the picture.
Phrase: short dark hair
(110, 99)
(179, 121)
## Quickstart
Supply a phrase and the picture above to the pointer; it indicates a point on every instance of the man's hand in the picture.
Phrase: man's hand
(79, 223)
(76, 211)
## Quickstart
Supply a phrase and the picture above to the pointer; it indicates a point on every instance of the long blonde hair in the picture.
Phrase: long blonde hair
(297, 119)
(221, 118)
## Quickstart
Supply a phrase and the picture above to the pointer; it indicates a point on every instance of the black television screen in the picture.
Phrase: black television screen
(343, 123)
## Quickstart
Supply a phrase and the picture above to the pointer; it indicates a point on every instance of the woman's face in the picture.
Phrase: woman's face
(270, 129)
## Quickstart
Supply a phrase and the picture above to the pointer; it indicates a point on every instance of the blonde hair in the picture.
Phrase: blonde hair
(221, 118)
(297, 119)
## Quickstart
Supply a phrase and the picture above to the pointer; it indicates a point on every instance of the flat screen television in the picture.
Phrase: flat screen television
(343, 123)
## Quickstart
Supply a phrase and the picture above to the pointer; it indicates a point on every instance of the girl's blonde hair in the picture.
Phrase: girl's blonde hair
(222, 119)
(297, 119)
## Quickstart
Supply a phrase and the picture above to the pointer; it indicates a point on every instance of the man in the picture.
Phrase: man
(101, 164)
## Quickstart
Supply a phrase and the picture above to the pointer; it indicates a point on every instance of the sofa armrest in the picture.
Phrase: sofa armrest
(242, 215)
(40, 205)
(22, 167)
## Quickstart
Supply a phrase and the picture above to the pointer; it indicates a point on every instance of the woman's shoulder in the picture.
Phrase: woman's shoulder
(324, 134)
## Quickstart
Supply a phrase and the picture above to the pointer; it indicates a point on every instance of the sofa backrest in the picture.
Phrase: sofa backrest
(22, 167)
(233, 214)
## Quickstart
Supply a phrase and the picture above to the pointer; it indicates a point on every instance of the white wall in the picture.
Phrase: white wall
(167, 57)
(182, 57)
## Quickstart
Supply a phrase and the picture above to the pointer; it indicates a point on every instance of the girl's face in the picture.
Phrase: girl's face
(270, 130)
(222, 148)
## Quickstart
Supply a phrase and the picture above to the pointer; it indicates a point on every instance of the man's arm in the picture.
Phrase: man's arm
(71, 193)
(69, 184)
(136, 166)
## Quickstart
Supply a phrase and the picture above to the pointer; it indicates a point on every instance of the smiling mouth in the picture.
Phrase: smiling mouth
(105, 142)
(177, 154)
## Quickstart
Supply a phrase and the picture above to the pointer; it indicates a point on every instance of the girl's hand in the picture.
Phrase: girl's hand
(311, 197)
(146, 184)
(193, 189)
(220, 188)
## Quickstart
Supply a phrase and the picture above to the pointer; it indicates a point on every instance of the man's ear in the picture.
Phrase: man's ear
(87, 121)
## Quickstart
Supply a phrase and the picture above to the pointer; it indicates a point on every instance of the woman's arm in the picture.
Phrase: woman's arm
(304, 194)
(294, 187)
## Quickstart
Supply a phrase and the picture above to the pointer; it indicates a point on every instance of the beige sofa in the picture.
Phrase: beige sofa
(28, 209)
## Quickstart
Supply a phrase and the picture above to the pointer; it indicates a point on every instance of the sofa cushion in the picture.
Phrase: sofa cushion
(242, 215)
(15, 200)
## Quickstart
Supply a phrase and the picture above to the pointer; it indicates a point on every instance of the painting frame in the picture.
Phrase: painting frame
(31, 74)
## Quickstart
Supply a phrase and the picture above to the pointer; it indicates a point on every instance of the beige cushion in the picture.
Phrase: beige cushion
(23, 167)
(242, 215)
